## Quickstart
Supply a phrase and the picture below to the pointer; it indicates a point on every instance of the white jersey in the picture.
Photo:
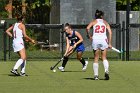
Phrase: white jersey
(99, 30)
(17, 38)
(99, 35)
(17, 33)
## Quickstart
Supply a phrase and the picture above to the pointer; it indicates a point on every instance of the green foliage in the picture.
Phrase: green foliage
(29, 45)
(38, 11)
(122, 4)
(3, 13)
(39, 3)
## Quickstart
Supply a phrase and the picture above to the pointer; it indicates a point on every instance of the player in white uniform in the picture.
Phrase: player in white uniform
(100, 42)
(18, 44)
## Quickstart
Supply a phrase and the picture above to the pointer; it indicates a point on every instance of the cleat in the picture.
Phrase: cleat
(14, 71)
(106, 76)
(23, 74)
(96, 77)
(85, 66)
(61, 69)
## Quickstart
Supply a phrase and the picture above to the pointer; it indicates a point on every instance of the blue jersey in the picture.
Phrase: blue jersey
(74, 39)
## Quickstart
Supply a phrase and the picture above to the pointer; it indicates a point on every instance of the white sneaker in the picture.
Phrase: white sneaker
(23, 74)
(61, 69)
(96, 77)
(15, 72)
(85, 66)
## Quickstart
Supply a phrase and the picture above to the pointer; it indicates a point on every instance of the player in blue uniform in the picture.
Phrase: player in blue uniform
(74, 42)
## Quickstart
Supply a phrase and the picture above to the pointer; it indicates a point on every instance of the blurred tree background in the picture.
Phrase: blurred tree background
(38, 11)
(35, 12)
(122, 4)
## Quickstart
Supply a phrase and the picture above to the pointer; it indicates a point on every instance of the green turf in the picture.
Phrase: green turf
(125, 77)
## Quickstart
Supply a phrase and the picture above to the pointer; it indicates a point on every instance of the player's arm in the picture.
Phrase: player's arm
(110, 34)
(88, 29)
(80, 39)
(22, 27)
(67, 46)
(8, 31)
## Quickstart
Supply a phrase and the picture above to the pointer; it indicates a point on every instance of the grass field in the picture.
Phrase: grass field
(124, 78)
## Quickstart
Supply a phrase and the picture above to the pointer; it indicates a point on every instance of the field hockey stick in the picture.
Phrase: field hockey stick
(51, 68)
(40, 43)
(117, 50)
(70, 52)
(88, 35)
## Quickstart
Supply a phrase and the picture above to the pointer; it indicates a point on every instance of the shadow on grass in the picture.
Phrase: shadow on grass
(9, 75)
(12, 75)
(94, 79)
(73, 71)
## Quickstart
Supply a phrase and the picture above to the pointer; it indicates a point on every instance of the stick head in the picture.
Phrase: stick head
(40, 43)
(121, 51)
(51, 68)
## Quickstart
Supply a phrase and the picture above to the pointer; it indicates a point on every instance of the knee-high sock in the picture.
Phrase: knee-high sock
(82, 61)
(23, 65)
(95, 68)
(65, 62)
(18, 63)
(106, 65)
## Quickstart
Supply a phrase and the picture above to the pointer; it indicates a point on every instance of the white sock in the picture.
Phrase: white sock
(23, 65)
(18, 63)
(106, 65)
(95, 68)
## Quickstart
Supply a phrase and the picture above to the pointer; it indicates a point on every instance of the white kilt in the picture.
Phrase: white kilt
(99, 44)
(18, 44)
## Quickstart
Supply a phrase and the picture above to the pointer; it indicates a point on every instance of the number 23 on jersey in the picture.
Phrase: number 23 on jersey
(100, 29)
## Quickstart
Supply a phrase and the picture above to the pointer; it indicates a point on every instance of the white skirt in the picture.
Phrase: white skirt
(99, 44)
(18, 44)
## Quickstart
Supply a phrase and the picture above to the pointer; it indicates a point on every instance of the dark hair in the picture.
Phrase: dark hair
(67, 25)
(19, 17)
(99, 14)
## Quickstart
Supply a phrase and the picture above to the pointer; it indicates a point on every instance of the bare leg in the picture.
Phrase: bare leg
(79, 57)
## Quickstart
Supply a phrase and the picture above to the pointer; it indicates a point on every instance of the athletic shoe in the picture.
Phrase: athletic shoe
(96, 77)
(106, 76)
(23, 74)
(61, 69)
(14, 71)
(85, 66)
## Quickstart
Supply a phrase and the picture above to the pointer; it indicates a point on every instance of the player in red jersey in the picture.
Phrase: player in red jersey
(100, 42)
(18, 44)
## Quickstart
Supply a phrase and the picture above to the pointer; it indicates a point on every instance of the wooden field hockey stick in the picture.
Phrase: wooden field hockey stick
(52, 67)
